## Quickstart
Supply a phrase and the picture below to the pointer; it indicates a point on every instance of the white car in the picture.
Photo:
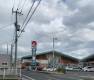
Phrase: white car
(51, 69)
(69, 68)
(88, 68)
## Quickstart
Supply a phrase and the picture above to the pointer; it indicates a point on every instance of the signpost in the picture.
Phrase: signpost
(34, 48)
(34, 44)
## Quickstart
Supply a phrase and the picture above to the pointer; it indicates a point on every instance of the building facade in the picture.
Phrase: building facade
(47, 59)
(88, 61)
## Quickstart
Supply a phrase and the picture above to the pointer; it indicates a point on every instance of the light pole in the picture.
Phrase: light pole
(7, 49)
(11, 57)
(53, 51)
(53, 48)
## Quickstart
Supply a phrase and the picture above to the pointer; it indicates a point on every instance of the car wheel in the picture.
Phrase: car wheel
(86, 70)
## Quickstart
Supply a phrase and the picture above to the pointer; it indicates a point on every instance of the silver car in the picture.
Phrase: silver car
(88, 68)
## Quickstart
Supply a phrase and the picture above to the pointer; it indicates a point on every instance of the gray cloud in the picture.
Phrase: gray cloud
(72, 4)
(71, 21)
(84, 15)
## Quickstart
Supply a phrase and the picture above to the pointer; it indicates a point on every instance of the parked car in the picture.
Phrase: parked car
(51, 69)
(77, 69)
(39, 68)
(44, 69)
(69, 68)
(88, 68)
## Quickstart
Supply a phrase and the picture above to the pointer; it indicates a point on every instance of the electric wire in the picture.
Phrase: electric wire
(13, 39)
(5, 26)
(20, 1)
(28, 13)
(29, 18)
(23, 5)
(13, 5)
(32, 14)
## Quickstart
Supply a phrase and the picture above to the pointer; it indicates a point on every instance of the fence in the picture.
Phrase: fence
(10, 74)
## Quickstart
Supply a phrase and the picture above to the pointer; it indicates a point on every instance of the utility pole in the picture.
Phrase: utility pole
(53, 52)
(11, 56)
(17, 28)
(7, 49)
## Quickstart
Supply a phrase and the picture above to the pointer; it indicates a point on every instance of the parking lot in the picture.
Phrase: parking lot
(70, 75)
(79, 74)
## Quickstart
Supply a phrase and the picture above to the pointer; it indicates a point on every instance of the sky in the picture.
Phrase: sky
(70, 21)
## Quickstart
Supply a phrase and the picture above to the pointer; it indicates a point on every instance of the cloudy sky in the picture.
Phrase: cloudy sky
(70, 21)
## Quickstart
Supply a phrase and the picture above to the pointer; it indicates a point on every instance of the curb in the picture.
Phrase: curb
(50, 72)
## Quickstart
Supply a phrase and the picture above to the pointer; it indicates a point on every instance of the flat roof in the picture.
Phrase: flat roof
(49, 52)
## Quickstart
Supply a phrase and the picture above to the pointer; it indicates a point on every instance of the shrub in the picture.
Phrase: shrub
(61, 70)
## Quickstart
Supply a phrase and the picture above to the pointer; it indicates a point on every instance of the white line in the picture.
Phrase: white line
(28, 77)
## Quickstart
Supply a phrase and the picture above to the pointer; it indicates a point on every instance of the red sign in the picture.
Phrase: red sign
(34, 43)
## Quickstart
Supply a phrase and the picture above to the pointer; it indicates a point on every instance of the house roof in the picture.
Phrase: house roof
(49, 52)
(88, 58)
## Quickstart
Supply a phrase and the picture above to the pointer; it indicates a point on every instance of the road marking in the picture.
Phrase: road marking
(28, 77)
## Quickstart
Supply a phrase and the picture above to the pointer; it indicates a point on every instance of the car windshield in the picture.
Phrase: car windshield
(46, 39)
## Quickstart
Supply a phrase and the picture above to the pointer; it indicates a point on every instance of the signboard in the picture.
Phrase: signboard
(34, 46)
(34, 43)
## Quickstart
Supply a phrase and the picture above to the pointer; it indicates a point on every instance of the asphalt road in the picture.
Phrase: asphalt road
(68, 76)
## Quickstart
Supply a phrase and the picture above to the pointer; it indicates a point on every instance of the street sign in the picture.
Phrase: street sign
(34, 48)
(34, 43)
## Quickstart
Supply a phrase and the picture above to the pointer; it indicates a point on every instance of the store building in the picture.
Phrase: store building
(88, 61)
(47, 59)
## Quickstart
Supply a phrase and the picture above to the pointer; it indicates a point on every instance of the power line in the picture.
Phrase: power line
(29, 18)
(23, 5)
(5, 26)
(13, 38)
(28, 13)
(19, 4)
(13, 5)
(32, 14)
(5, 42)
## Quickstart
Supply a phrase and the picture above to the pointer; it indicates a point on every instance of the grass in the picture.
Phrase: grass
(9, 77)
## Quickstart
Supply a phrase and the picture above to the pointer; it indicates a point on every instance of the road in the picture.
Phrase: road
(68, 76)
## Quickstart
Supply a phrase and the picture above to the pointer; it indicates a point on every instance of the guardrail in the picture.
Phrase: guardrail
(10, 74)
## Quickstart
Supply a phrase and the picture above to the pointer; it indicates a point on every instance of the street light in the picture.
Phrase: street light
(53, 42)
(53, 53)
(54, 38)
